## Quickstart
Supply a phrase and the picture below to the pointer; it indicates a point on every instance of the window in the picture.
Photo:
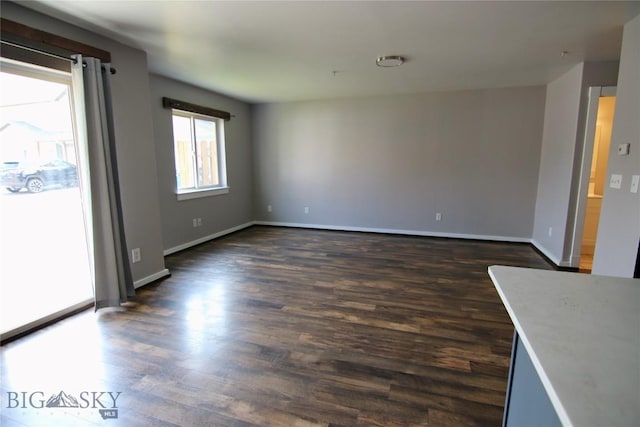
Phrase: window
(198, 142)
(39, 187)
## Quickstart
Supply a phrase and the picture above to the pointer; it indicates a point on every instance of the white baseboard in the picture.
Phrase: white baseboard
(510, 239)
(151, 278)
(398, 231)
(207, 238)
(548, 254)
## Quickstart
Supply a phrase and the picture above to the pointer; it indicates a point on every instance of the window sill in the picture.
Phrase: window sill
(197, 194)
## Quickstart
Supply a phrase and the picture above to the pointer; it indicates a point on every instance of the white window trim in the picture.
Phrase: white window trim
(201, 192)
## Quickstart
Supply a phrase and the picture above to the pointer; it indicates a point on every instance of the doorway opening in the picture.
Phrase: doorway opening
(591, 185)
(44, 259)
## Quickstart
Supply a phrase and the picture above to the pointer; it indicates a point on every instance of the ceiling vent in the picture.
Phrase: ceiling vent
(390, 61)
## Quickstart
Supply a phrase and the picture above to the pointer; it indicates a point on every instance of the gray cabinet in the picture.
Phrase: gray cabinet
(527, 403)
(575, 357)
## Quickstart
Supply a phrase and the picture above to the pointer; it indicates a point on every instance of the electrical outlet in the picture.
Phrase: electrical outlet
(615, 181)
(306, 209)
(199, 222)
(195, 222)
(269, 208)
(135, 255)
(438, 216)
(550, 231)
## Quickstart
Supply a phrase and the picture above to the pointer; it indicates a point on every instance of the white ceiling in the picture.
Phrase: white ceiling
(267, 51)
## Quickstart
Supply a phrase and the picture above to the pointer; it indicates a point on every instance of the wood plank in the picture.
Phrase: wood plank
(282, 327)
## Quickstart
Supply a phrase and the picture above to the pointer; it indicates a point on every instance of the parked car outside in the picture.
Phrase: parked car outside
(35, 178)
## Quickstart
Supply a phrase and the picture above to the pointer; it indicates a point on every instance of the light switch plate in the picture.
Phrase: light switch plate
(623, 149)
(615, 181)
(135, 255)
(635, 180)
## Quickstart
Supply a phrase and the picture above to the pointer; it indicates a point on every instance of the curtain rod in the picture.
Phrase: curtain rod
(111, 70)
(42, 52)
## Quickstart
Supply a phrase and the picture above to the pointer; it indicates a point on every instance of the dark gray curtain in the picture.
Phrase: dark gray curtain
(113, 282)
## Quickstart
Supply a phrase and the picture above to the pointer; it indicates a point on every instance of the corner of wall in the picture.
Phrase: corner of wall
(561, 118)
(619, 227)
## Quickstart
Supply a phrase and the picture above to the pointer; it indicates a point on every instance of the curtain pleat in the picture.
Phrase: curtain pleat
(113, 282)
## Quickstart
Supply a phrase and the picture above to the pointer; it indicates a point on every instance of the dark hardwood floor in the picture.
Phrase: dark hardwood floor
(285, 327)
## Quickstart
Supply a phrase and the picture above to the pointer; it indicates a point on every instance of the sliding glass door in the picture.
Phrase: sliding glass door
(44, 262)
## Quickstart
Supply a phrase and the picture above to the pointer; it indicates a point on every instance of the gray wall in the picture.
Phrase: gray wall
(220, 212)
(562, 144)
(558, 145)
(393, 162)
(133, 131)
(387, 163)
(619, 228)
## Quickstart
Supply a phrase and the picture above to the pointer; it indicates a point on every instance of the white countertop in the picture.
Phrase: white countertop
(582, 333)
